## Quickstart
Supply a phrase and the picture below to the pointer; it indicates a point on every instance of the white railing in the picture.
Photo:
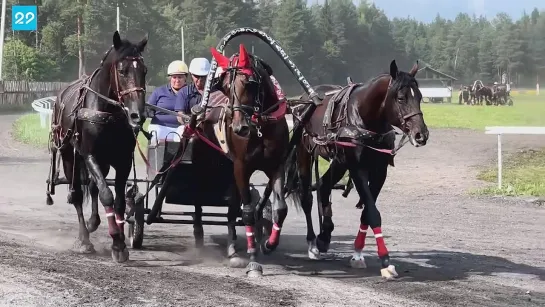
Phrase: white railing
(44, 106)
(498, 130)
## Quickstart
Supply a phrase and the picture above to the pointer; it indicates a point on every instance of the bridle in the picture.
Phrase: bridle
(114, 70)
(403, 118)
(253, 113)
(250, 112)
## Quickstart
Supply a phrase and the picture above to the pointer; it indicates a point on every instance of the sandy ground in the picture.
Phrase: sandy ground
(451, 249)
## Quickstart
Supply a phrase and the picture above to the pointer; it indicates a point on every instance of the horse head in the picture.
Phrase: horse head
(402, 101)
(245, 79)
(126, 77)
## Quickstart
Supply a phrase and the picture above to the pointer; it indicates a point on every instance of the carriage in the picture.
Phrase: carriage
(178, 177)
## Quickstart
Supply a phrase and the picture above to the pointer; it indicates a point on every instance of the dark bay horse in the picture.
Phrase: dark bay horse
(483, 92)
(357, 136)
(257, 136)
(95, 122)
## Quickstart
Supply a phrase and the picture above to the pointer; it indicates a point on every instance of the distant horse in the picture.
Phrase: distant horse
(257, 136)
(353, 130)
(95, 121)
(500, 94)
(483, 92)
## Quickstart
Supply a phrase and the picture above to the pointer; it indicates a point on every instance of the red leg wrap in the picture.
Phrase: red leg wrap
(275, 235)
(113, 230)
(250, 238)
(382, 250)
(359, 243)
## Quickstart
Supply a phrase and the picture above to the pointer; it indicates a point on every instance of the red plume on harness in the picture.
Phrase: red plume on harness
(244, 64)
(222, 60)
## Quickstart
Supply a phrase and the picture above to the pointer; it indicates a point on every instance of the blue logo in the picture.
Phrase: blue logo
(24, 17)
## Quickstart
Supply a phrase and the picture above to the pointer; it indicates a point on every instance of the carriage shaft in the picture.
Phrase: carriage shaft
(190, 222)
(110, 182)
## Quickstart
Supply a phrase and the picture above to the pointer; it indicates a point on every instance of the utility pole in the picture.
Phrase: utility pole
(183, 43)
(117, 17)
(2, 28)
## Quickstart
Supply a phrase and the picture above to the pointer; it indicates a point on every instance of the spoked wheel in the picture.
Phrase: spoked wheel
(264, 224)
(136, 227)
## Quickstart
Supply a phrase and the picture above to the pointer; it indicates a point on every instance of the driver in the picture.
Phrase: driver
(192, 94)
(165, 97)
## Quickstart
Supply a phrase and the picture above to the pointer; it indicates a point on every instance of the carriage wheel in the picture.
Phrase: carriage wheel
(136, 229)
(264, 224)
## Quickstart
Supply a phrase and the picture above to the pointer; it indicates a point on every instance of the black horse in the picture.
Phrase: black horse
(95, 123)
(353, 130)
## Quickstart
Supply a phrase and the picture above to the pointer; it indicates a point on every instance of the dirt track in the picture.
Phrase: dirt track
(449, 248)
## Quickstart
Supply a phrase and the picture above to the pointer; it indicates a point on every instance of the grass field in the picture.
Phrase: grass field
(27, 130)
(528, 110)
(523, 173)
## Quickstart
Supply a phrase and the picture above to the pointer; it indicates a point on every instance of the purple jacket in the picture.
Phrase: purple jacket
(164, 97)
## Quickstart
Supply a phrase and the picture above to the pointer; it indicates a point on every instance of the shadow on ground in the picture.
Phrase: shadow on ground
(413, 266)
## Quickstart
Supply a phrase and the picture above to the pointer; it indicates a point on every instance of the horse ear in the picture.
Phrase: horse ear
(243, 58)
(222, 60)
(142, 44)
(393, 69)
(414, 70)
(117, 40)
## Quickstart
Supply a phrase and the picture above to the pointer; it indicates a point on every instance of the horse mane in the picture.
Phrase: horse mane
(125, 50)
(402, 79)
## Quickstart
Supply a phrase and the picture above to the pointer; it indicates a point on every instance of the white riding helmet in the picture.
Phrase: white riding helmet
(177, 68)
(199, 67)
(495, 83)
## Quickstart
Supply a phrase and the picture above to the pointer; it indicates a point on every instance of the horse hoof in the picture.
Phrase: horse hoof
(322, 245)
(358, 263)
(237, 262)
(313, 252)
(254, 270)
(389, 273)
(267, 249)
(84, 247)
(92, 224)
(87, 248)
(49, 200)
(120, 256)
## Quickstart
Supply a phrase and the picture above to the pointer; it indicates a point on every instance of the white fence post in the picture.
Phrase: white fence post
(499, 131)
(499, 161)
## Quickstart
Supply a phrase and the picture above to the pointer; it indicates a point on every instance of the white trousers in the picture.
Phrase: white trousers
(162, 132)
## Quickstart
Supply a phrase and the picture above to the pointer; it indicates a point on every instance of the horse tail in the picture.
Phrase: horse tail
(85, 179)
(293, 190)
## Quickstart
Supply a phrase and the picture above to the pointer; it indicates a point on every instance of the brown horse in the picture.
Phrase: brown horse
(95, 120)
(357, 136)
(257, 136)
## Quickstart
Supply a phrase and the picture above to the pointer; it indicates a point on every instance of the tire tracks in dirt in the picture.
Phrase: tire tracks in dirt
(450, 249)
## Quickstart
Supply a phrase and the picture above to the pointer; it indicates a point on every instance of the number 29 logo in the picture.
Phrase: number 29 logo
(24, 17)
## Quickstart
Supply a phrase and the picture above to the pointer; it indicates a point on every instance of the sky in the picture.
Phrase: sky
(427, 10)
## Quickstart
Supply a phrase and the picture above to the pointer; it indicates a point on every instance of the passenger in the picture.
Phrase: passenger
(165, 125)
(192, 94)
